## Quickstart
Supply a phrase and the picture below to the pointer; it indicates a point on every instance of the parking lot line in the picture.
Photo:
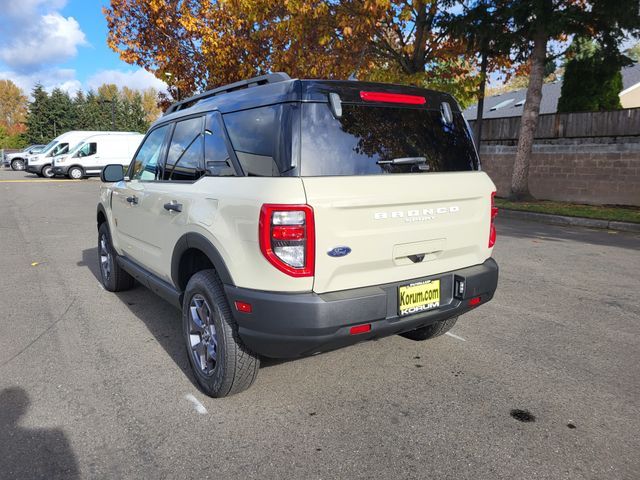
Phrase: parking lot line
(196, 403)
(39, 180)
(455, 336)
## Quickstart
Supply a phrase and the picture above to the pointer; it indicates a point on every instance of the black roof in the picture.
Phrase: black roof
(293, 90)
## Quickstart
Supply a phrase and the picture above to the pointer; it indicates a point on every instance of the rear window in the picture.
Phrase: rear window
(370, 140)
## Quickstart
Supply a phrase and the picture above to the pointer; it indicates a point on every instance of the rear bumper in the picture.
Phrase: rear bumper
(286, 325)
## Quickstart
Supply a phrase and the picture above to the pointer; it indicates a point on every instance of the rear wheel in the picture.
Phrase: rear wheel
(114, 278)
(47, 171)
(221, 363)
(75, 173)
(17, 164)
(431, 331)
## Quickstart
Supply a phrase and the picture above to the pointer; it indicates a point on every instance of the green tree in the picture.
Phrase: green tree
(537, 22)
(592, 79)
(483, 26)
(62, 114)
(38, 119)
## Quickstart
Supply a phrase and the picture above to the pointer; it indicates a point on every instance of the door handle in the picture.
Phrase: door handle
(173, 206)
(133, 200)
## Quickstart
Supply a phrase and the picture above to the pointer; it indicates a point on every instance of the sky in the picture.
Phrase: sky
(62, 43)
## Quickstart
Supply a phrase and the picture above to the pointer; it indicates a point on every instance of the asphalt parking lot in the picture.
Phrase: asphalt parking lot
(97, 385)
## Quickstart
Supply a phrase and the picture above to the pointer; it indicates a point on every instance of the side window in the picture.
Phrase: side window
(88, 149)
(145, 164)
(216, 155)
(259, 138)
(185, 160)
(60, 149)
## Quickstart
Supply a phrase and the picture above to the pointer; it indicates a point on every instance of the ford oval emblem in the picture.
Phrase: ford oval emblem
(339, 251)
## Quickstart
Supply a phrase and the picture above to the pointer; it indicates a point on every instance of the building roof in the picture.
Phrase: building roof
(510, 104)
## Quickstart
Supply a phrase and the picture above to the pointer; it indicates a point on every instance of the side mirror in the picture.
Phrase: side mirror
(112, 173)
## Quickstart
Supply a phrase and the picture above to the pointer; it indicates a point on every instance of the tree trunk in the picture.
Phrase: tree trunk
(529, 120)
(483, 80)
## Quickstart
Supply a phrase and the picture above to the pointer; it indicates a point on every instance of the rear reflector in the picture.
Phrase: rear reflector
(243, 307)
(475, 301)
(392, 98)
(494, 214)
(360, 329)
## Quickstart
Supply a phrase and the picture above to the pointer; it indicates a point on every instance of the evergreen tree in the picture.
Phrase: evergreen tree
(38, 118)
(62, 113)
(592, 79)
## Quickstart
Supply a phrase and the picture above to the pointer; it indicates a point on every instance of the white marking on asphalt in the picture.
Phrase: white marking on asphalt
(100, 285)
(455, 336)
(198, 406)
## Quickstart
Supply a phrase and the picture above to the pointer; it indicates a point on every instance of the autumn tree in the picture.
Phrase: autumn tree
(13, 107)
(203, 44)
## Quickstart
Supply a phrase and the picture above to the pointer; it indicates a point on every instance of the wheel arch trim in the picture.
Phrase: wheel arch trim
(198, 242)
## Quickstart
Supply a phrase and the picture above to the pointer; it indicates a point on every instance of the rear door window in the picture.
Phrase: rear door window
(372, 140)
(185, 159)
(261, 138)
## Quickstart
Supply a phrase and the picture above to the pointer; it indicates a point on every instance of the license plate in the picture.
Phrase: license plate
(418, 297)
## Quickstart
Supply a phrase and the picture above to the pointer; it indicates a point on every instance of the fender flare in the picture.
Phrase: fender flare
(200, 242)
(102, 210)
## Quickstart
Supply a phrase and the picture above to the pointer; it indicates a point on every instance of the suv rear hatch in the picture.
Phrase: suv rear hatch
(394, 178)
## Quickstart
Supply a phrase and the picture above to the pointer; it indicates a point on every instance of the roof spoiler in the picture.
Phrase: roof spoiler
(232, 87)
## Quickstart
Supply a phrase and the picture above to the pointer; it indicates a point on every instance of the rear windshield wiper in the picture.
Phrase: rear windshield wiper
(403, 161)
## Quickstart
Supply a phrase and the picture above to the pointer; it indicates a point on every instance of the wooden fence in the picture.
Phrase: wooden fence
(616, 123)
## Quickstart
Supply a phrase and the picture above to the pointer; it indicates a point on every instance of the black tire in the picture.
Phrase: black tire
(113, 277)
(234, 367)
(17, 164)
(77, 171)
(47, 171)
(431, 331)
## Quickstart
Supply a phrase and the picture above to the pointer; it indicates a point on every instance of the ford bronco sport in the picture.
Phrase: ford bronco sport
(289, 217)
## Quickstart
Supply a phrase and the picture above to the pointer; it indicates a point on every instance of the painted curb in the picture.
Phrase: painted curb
(570, 221)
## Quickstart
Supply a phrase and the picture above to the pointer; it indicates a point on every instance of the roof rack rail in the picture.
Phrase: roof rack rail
(252, 82)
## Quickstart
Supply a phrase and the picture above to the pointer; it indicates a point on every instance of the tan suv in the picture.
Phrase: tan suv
(290, 217)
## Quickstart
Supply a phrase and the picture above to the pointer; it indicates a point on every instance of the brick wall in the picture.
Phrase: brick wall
(588, 173)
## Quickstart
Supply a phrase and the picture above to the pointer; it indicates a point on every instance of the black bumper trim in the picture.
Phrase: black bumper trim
(286, 325)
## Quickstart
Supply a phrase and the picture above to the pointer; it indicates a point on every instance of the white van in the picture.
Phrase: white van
(40, 164)
(96, 151)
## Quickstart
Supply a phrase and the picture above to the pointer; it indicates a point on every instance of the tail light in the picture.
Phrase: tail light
(287, 238)
(494, 214)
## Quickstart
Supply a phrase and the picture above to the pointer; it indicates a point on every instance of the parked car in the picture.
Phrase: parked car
(16, 160)
(299, 216)
(90, 156)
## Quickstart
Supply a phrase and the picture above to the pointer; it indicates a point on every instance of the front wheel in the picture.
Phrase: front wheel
(431, 331)
(47, 171)
(114, 278)
(221, 363)
(75, 173)
(17, 164)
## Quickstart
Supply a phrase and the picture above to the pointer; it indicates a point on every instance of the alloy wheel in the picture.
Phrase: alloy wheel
(106, 258)
(203, 339)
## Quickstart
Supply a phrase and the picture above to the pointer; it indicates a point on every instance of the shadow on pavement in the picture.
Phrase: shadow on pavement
(27, 453)
(161, 319)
